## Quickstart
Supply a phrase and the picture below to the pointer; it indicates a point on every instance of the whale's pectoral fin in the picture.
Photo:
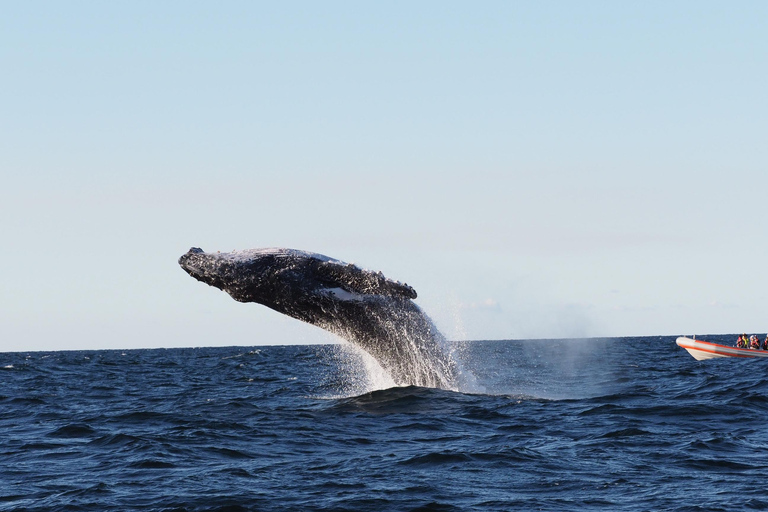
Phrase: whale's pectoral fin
(356, 280)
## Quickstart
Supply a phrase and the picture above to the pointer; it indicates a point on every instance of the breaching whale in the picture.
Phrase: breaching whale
(361, 306)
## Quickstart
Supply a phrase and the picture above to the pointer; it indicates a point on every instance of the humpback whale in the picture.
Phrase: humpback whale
(361, 306)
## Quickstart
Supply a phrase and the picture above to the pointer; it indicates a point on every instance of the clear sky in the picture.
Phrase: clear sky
(532, 169)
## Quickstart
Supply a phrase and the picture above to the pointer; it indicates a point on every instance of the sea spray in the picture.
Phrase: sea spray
(465, 380)
(547, 369)
(352, 372)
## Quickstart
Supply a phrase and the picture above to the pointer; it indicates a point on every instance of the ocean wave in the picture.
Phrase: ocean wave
(622, 424)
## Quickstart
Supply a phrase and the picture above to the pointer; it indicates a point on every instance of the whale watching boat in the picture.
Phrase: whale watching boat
(701, 350)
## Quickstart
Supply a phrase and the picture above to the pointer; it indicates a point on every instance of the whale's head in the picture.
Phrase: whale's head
(245, 275)
(279, 275)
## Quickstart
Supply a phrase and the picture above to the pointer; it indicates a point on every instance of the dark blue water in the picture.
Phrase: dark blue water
(622, 423)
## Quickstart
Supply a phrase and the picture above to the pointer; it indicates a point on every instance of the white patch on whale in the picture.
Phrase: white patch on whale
(342, 294)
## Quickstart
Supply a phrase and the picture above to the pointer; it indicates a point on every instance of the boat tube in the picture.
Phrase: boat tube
(701, 350)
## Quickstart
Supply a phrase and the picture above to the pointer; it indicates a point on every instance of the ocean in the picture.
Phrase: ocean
(586, 424)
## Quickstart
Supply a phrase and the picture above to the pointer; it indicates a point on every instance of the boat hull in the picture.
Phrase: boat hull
(701, 350)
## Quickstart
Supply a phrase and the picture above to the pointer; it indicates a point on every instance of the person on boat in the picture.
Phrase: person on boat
(765, 343)
(740, 341)
(754, 343)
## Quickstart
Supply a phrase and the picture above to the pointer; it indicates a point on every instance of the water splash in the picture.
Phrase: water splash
(407, 347)
(466, 381)
(355, 372)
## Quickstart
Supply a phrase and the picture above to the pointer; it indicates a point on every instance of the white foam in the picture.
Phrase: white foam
(376, 377)
(361, 372)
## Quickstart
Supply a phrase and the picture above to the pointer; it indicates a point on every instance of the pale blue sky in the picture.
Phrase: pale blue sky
(533, 169)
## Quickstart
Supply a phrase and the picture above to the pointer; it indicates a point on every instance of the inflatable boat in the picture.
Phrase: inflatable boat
(701, 350)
